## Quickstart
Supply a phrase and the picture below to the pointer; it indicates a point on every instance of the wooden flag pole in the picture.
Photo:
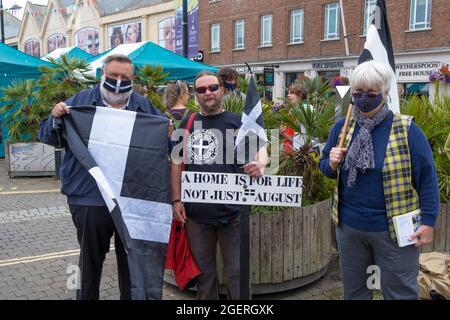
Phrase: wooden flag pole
(345, 127)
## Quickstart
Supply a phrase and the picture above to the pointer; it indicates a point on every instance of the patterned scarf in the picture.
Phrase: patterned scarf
(360, 155)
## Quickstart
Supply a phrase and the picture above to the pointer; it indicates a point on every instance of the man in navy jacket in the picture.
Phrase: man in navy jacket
(90, 215)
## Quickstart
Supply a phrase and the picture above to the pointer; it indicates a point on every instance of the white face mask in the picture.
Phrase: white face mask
(111, 97)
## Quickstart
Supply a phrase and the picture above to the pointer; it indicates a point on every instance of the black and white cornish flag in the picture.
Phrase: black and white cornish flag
(123, 153)
(378, 47)
(251, 136)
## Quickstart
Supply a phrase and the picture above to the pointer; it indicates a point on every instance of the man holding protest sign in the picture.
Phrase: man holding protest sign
(208, 146)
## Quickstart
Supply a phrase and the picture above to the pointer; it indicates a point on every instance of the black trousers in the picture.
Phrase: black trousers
(95, 228)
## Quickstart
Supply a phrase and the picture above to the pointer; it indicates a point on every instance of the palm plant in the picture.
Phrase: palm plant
(21, 118)
(28, 102)
(433, 117)
(313, 123)
(317, 89)
(151, 77)
(66, 78)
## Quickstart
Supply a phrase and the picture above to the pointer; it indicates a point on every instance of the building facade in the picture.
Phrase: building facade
(312, 38)
(95, 25)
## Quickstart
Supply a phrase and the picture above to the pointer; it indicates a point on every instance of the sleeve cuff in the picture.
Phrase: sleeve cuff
(428, 220)
(329, 172)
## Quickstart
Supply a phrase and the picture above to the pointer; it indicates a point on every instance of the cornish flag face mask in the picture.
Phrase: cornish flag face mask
(117, 86)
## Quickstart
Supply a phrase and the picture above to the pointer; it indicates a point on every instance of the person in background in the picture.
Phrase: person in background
(388, 170)
(296, 94)
(176, 98)
(229, 78)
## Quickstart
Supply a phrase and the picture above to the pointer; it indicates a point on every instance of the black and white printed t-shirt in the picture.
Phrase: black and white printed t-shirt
(210, 148)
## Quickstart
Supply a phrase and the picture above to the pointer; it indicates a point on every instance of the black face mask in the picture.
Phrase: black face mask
(117, 86)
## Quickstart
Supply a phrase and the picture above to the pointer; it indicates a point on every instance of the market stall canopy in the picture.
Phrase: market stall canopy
(71, 52)
(16, 65)
(149, 53)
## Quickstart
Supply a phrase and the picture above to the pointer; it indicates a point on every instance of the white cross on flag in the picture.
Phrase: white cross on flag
(129, 163)
(251, 136)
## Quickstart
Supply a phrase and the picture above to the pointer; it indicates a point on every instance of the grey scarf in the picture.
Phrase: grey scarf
(360, 155)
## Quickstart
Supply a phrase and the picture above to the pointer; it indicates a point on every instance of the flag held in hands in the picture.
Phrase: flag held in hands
(129, 165)
(251, 136)
(378, 47)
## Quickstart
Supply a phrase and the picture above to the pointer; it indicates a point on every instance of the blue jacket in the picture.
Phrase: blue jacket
(363, 207)
(76, 182)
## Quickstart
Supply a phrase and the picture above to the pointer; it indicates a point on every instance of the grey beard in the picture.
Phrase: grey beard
(114, 98)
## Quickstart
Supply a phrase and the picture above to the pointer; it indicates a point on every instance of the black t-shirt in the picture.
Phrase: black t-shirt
(208, 150)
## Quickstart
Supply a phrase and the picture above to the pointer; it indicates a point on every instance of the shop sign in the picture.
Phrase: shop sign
(324, 65)
(415, 72)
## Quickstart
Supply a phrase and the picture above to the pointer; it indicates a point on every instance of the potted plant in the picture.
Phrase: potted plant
(290, 247)
(27, 103)
(442, 75)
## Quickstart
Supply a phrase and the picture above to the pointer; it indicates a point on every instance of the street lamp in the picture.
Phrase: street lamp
(185, 29)
(2, 22)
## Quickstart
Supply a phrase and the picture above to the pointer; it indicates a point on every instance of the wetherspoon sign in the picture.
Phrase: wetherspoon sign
(230, 188)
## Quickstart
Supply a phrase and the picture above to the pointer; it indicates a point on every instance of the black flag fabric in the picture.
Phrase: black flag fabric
(129, 165)
(251, 136)
(378, 47)
(127, 154)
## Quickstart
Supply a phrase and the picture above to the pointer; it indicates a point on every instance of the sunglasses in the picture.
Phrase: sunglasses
(211, 88)
(360, 94)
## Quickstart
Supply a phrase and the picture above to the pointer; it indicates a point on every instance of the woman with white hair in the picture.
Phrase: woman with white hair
(385, 169)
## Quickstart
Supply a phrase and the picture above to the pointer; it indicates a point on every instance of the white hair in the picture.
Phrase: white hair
(372, 75)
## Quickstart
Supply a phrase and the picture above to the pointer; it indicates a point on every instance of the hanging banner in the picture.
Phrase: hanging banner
(230, 188)
(192, 27)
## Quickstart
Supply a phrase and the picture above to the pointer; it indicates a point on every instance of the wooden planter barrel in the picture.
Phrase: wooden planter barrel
(288, 249)
(441, 240)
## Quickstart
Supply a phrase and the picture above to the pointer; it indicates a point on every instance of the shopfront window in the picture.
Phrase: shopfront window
(267, 93)
(418, 88)
(329, 74)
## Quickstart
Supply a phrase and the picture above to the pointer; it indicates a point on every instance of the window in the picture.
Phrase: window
(297, 22)
(420, 15)
(215, 37)
(266, 30)
(369, 11)
(331, 21)
(239, 34)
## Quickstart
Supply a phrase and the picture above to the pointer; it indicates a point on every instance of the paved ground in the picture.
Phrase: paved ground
(38, 247)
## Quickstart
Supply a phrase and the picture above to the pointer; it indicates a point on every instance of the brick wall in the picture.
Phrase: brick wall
(226, 12)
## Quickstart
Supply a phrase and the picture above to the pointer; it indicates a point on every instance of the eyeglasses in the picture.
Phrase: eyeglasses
(211, 88)
(360, 94)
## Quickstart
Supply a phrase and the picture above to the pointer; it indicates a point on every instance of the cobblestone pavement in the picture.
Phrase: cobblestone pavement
(38, 245)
